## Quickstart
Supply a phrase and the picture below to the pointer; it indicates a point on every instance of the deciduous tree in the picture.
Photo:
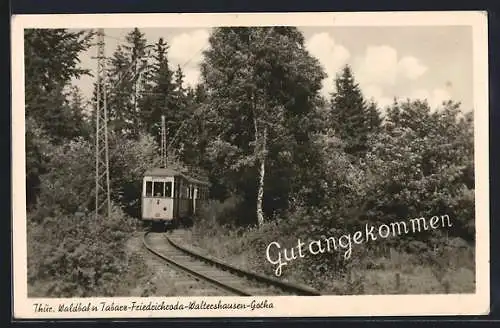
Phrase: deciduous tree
(262, 86)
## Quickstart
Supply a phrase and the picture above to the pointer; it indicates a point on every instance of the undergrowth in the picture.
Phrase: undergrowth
(75, 255)
(396, 266)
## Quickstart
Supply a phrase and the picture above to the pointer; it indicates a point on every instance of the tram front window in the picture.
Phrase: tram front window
(158, 188)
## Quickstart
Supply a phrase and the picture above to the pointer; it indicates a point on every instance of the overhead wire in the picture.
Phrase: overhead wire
(129, 70)
(132, 65)
(182, 66)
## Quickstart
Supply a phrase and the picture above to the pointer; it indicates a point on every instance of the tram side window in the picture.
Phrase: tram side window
(149, 188)
(168, 189)
(159, 187)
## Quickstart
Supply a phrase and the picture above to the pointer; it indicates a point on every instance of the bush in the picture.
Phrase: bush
(216, 213)
(70, 252)
(423, 164)
(77, 255)
(69, 183)
(128, 162)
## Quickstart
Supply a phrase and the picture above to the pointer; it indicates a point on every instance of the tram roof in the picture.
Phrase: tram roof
(162, 172)
(169, 172)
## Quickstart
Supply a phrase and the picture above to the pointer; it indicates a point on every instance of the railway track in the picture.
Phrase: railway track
(222, 276)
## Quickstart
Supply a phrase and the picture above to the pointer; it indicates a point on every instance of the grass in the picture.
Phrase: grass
(381, 270)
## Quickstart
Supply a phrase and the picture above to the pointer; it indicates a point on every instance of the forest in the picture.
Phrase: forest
(283, 161)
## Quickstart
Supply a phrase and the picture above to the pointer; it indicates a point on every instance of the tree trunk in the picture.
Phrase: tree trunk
(262, 171)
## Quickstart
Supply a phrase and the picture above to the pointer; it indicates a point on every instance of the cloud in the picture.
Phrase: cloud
(377, 66)
(411, 68)
(186, 50)
(381, 65)
(332, 56)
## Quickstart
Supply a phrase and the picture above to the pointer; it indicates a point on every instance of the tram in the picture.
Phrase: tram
(170, 196)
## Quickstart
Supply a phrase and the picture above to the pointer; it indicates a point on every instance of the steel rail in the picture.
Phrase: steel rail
(285, 286)
(193, 273)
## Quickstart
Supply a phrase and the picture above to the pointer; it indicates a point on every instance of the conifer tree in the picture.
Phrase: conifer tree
(159, 98)
(46, 80)
(129, 75)
(77, 107)
(181, 112)
(180, 92)
(373, 119)
(351, 117)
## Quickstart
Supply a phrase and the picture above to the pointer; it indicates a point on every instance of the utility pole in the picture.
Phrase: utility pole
(163, 142)
(102, 193)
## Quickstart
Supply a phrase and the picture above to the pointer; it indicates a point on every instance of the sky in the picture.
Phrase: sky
(416, 62)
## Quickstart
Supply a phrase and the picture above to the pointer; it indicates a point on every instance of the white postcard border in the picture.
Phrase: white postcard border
(380, 305)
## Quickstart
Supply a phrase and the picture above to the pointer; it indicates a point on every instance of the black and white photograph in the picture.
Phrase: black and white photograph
(193, 165)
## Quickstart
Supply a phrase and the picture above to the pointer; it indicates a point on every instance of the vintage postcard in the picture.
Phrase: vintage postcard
(250, 165)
